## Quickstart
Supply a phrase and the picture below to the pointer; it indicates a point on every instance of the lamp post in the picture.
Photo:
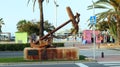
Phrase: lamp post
(56, 5)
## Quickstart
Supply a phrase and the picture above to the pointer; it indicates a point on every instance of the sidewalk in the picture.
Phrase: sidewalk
(107, 58)
(110, 58)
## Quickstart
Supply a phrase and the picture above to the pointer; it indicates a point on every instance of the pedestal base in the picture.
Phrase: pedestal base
(61, 53)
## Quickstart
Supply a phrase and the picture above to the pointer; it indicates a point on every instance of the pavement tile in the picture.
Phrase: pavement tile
(109, 58)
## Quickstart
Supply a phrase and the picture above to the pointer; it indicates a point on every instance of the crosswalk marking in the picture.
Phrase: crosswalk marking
(110, 64)
(81, 65)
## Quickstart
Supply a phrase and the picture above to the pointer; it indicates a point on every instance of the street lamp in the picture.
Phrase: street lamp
(56, 5)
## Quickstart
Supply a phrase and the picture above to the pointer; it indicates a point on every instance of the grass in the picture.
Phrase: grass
(15, 59)
(21, 59)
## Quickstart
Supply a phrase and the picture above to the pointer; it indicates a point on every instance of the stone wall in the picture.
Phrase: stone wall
(60, 53)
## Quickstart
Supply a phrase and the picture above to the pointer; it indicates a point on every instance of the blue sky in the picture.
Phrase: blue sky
(13, 11)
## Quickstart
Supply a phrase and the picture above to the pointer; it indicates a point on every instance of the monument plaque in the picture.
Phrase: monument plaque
(32, 52)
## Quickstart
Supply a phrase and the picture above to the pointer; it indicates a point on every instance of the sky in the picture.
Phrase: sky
(12, 11)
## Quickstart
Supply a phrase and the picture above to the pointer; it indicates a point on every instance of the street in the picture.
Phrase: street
(85, 52)
(100, 62)
(4, 54)
(85, 64)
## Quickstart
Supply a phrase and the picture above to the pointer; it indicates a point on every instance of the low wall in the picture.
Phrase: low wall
(61, 53)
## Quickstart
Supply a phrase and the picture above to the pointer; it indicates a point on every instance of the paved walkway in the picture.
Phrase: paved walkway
(106, 58)
(110, 58)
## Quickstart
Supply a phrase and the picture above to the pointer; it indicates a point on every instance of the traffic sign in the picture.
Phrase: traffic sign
(92, 20)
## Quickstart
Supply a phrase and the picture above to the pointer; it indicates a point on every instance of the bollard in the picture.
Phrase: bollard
(102, 54)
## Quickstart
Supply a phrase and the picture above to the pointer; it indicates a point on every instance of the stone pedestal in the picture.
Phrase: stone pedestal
(60, 53)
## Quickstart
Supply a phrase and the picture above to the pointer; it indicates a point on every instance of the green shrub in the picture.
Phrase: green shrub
(58, 44)
(81, 57)
(13, 47)
(20, 47)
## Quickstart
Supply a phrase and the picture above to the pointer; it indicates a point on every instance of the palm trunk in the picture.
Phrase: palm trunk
(41, 31)
(118, 29)
(0, 28)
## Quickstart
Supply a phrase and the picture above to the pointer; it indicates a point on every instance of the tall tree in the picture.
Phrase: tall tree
(74, 30)
(33, 26)
(40, 2)
(27, 26)
(21, 24)
(102, 26)
(112, 12)
(41, 18)
(1, 23)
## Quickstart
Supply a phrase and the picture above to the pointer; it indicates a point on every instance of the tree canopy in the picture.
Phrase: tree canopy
(110, 17)
(1, 23)
(33, 26)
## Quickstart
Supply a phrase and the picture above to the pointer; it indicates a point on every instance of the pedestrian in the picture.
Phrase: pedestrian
(34, 37)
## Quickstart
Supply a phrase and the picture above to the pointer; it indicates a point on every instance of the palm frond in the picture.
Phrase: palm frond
(28, 2)
(100, 4)
(34, 5)
(97, 6)
(1, 19)
(102, 1)
(113, 29)
(90, 26)
(103, 15)
(34, 1)
(114, 3)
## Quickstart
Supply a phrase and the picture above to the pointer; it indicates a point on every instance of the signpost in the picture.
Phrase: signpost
(92, 20)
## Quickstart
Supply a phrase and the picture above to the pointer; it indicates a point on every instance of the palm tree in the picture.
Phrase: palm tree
(74, 30)
(102, 26)
(105, 26)
(40, 2)
(112, 12)
(1, 23)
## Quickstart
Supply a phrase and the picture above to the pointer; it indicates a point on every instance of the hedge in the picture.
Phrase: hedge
(20, 47)
(13, 47)
(58, 44)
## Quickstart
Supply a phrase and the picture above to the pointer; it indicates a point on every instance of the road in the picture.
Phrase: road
(85, 52)
(86, 64)
(4, 54)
